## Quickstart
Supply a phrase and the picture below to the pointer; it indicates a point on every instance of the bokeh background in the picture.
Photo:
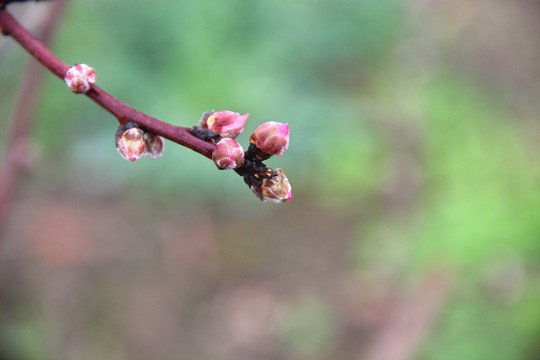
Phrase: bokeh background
(414, 232)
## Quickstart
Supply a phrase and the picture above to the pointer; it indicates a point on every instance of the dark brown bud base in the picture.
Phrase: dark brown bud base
(122, 128)
(254, 153)
(254, 171)
(205, 134)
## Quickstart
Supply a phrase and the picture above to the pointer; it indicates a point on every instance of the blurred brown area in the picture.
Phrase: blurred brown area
(187, 278)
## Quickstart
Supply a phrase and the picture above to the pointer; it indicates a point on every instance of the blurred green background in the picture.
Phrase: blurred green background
(414, 232)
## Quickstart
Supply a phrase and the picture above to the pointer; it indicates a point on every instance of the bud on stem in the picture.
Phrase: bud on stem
(129, 141)
(274, 189)
(228, 154)
(227, 124)
(154, 145)
(271, 138)
(80, 78)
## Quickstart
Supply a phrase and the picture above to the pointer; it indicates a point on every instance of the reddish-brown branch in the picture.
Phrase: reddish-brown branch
(121, 111)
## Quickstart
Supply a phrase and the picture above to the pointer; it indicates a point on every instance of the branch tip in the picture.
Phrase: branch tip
(141, 135)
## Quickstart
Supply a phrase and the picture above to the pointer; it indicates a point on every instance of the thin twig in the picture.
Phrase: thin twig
(120, 110)
(267, 184)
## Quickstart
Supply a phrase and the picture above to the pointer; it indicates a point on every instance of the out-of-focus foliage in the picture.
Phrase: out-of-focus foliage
(414, 132)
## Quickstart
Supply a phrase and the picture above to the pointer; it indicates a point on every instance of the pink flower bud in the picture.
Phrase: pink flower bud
(227, 123)
(154, 145)
(275, 189)
(130, 143)
(228, 154)
(271, 137)
(80, 78)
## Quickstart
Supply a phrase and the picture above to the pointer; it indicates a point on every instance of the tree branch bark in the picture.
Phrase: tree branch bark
(122, 111)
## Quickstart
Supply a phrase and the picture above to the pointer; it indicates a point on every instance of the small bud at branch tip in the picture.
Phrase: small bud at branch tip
(276, 189)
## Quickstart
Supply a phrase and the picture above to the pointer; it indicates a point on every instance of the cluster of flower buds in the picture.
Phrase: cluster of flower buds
(270, 138)
(221, 128)
(80, 78)
(132, 142)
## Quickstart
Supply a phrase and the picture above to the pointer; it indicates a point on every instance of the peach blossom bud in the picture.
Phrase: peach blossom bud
(80, 78)
(130, 142)
(275, 189)
(227, 123)
(271, 137)
(154, 145)
(228, 154)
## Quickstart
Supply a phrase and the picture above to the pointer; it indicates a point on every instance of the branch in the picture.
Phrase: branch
(270, 138)
(123, 112)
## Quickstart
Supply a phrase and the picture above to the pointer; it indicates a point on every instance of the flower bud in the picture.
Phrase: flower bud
(227, 123)
(154, 145)
(130, 142)
(271, 137)
(228, 154)
(80, 78)
(275, 189)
